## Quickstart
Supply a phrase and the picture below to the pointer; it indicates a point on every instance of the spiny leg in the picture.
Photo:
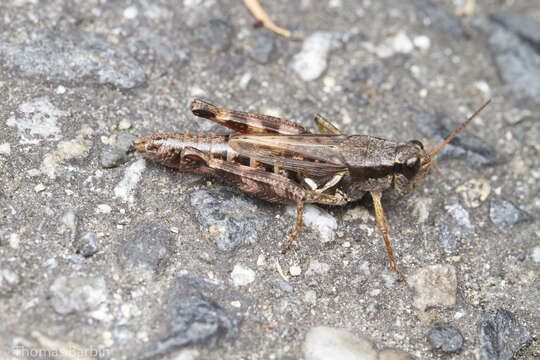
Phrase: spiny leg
(383, 228)
(246, 123)
(325, 126)
(314, 197)
(299, 217)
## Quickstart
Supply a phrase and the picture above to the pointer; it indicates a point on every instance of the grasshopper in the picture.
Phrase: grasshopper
(280, 161)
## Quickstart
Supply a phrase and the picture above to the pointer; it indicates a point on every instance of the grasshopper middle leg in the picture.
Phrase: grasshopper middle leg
(383, 228)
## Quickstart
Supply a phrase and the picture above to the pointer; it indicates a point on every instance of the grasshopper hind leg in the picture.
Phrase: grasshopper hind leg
(383, 228)
(325, 126)
(299, 217)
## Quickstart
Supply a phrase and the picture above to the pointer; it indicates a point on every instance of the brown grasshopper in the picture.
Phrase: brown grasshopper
(280, 161)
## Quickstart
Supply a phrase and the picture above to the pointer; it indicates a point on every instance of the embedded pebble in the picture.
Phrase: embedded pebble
(226, 217)
(536, 254)
(130, 12)
(87, 245)
(146, 249)
(318, 219)
(446, 338)
(446, 237)
(435, 285)
(310, 297)
(317, 268)
(460, 215)
(9, 279)
(504, 213)
(312, 61)
(216, 35)
(422, 42)
(113, 155)
(242, 275)
(103, 209)
(5, 149)
(264, 48)
(283, 285)
(420, 209)
(501, 335)
(474, 192)
(70, 220)
(39, 188)
(125, 189)
(401, 43)
(76, 294)
(14, 240)
(515, 116)
(324, 343)
(295, 270)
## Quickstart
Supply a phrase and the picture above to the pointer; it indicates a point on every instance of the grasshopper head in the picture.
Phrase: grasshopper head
(413, 163)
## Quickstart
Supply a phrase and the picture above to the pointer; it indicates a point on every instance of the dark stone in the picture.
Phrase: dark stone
(193, 318)
(229, 218)
(514, 43)
(77, 58)
(446, 338)
(87, 245)
(115, 155)
(504, 213)
(501, 335)
(431, 14)
(147, 245)
(359, 74)
(474, 149)
(264, 48)
(216, 35)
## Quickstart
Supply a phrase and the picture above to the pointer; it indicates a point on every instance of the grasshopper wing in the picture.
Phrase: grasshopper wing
(310, 155)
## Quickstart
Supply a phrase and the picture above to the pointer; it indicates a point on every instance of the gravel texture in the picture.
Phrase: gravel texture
(106, 255)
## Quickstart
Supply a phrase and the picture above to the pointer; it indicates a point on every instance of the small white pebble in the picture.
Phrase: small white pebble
(536, 254)
(174, 230)
(33, 172)
(236, 304)
(329, 82)
(14, 241)
(332, 4)
(482, 86)
(402, 43)
(131, 13)
(5, 149)
(60, 90)
(422, 42)
(103, 209)
(244, 81)
(39, 188)
(242, 275)
(124, 124)
(423, 92)
(295, 270)
(346, 244)
(261, 260)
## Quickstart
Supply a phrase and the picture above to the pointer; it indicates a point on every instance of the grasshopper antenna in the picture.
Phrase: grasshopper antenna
(431, 154)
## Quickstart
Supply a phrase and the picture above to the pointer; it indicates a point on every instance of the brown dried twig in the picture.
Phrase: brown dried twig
(258, 12)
